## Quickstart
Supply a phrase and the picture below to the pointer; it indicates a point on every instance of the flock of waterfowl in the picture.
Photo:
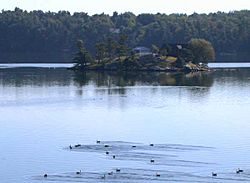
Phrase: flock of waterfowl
(114, 150)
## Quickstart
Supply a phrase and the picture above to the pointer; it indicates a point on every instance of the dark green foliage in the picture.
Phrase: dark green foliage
(131, 64)
(111, 46)
(187, 54)
(180, 62)
(122, 48)
(101, 51)
(37, 31)
(82, 57)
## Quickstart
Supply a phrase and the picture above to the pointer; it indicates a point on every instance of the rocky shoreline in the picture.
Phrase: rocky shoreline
(144, 64)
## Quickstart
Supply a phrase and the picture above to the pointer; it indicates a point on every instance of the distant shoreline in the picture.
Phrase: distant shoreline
(70, 62)
(212, 65)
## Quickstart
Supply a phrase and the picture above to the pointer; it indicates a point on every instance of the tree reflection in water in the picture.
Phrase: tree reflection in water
(118, 83)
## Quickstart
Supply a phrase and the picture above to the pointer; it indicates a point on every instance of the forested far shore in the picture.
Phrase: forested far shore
(39, 36)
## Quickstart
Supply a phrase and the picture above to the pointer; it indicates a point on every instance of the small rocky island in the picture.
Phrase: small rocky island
(116, 56)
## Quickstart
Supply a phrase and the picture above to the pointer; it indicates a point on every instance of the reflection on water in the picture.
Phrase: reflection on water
(113, 79)
(110, 83)
(42, 76)
(45, 110)
(19, 77)
(118, 83)
(195, 85)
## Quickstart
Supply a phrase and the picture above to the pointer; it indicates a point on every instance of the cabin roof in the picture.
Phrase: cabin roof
(141, 48)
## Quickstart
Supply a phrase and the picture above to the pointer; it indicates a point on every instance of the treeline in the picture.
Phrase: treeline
(46, 32)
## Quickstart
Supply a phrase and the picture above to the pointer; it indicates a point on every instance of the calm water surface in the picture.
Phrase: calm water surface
(57, 65)
(43, 111)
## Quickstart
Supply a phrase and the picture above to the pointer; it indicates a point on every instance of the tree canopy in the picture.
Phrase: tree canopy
(38, 31)
(202, 50)
(82, 57)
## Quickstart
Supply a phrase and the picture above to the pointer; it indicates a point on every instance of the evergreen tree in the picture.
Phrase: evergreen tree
(101, 51)
(122, 49)
(82, 57)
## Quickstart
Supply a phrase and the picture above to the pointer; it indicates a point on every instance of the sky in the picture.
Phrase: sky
(136, 6)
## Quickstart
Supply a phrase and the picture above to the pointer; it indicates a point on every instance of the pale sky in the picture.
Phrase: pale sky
(135, 6)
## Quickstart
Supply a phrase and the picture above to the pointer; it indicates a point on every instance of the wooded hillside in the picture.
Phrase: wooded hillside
(47, 33)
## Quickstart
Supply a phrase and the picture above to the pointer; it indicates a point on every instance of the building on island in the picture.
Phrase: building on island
(141, 51)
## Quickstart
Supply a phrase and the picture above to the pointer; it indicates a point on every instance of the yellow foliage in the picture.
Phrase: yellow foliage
(172, 59)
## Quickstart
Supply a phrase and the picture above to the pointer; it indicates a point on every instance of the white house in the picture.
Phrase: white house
(140, 50)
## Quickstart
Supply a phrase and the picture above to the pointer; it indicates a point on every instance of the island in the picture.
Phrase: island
(113, 55)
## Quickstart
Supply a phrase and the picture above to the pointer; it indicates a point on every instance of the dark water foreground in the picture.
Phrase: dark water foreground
(198, 123)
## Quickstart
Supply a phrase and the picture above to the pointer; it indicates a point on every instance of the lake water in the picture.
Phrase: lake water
(56, 65)
(199, 123)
